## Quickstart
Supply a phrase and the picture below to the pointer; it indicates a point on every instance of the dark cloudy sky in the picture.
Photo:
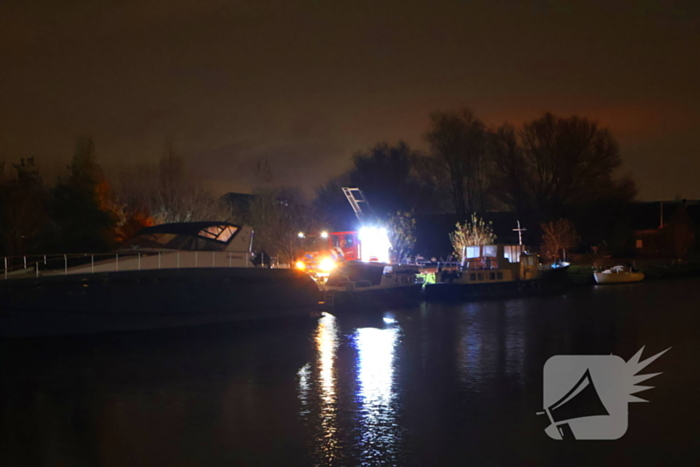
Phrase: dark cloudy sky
(307, 83)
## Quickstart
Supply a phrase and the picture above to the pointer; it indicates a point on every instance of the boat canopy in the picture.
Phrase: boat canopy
(188, 236)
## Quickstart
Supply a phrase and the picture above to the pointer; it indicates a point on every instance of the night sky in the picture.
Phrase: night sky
(307, 83)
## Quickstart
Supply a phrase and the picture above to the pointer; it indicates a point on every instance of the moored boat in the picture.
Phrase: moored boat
(168, 276)
(618, 275)
(362, 285)
(488, 271)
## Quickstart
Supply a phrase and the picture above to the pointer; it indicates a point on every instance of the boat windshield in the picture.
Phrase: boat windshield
(185, 236)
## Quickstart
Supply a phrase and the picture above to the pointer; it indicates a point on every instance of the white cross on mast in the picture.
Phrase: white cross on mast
(520, 233)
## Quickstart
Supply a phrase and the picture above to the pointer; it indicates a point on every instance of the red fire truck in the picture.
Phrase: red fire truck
(322, 252)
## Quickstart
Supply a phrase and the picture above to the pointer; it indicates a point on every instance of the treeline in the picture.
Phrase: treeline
(547, 169)
(558, 175)
(82, 211)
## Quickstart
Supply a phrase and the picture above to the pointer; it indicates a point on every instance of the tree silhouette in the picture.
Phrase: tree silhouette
(84, 214)
(389, 178)
(458, 142)
(278, 215)
(560, 167)
(401, 227)
(169, 192)
(555, 164)
(23, 203)
(558, 237)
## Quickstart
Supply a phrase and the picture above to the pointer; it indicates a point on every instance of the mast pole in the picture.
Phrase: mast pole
(520, 233)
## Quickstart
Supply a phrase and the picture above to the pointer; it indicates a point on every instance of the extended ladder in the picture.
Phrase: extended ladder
(357, 200)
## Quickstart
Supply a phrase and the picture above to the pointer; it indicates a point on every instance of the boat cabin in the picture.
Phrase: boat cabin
(498, 263)
(359, 275)
(193, 236)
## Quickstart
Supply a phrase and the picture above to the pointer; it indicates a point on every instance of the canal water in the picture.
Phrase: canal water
(437, 384)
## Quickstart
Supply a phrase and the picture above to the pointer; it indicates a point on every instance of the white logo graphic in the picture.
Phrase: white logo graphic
(586, 396)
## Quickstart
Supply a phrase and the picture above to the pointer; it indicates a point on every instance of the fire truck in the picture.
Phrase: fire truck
(368, 244)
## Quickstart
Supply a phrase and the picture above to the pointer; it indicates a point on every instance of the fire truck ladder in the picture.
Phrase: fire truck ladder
(357, 200)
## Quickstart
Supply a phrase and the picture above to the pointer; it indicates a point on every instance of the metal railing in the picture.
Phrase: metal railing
(86, 263)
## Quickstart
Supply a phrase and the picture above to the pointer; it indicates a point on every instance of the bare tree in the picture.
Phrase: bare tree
(510, 184)
(386, 175)
(393, 177)
(170, 193)
(555, 164)
(402, 227)
(278, 215)
(557, 238)
(473, 232)
(458, 141)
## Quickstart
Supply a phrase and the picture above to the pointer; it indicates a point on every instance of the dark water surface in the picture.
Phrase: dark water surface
(433, 385)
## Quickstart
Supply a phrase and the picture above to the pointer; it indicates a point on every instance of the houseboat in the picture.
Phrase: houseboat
(169, 275)
(487, 271)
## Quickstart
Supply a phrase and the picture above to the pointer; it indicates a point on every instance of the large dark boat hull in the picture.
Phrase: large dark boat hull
(140, 300)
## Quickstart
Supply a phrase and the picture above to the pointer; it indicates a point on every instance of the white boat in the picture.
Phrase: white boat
(171, 275)
(618, 275)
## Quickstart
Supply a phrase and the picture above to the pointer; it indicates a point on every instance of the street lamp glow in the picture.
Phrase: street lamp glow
(324, 234)
(300, 235)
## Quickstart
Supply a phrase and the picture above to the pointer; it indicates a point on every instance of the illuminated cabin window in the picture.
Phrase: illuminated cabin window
(220, 233)
(188, 236)
(473, 251)
(639, 243)
(512, 252)
(490, 251)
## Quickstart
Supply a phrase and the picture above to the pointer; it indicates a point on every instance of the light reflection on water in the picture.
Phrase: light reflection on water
(440, 384)
(376, 393)
(326, 343)
(369, 360)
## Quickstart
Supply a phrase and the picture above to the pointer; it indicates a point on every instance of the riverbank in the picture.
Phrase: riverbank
(582, 274)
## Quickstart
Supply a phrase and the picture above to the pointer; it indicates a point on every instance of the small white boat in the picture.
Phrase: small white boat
(618, 275)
